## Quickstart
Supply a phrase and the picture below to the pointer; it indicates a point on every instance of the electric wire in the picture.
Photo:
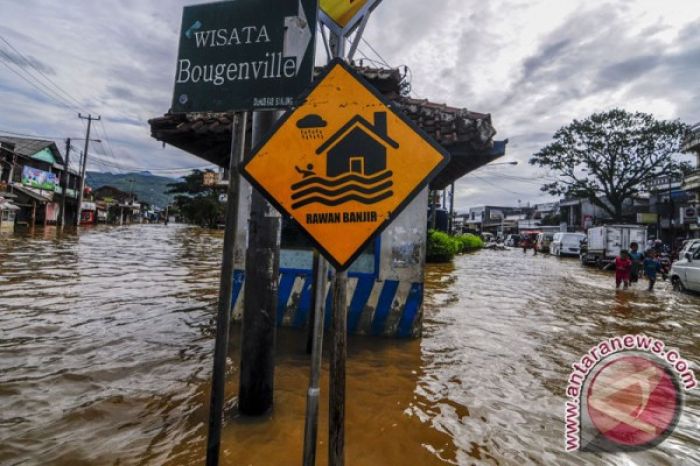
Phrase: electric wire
(38, 70)
(46, 94)
(36, 136)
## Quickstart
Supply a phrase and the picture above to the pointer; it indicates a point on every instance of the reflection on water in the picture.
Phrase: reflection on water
(106, 342)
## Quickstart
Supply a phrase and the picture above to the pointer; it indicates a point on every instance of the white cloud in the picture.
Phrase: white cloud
(533, 64)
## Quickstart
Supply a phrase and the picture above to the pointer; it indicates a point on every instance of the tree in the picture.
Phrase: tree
(608, 157)
(197, 203)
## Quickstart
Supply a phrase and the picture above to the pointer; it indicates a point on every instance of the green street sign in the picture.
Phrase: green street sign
(244, 55)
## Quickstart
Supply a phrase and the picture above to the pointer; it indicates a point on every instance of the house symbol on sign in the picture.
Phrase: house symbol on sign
(356, 166)
(358, 147)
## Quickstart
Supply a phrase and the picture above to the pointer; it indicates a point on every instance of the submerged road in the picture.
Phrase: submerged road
(106, 341)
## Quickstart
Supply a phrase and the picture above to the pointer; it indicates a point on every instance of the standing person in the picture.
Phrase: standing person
(623, 266)
(526, 244)
(534, 245)
(637, 259)
(651, 267)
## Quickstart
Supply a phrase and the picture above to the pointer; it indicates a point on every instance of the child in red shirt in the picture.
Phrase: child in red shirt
(623, 268)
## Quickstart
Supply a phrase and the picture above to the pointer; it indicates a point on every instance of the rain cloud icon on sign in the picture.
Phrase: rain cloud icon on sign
(311, 126)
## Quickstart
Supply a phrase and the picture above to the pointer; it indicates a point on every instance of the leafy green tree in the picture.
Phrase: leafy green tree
(609, 157)
(197, 203)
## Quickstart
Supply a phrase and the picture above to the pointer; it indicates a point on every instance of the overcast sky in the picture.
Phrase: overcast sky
(533, 65)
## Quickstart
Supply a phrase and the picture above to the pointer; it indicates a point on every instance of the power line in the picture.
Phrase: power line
(38, 70)
(375, 52)
(59, 102)
(47, 91)
(477, 177)
(95, 158)
(37, 136)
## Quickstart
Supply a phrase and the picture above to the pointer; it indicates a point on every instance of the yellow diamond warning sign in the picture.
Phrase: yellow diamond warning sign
(343, 164)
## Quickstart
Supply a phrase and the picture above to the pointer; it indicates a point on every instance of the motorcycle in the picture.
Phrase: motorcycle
(665, 261)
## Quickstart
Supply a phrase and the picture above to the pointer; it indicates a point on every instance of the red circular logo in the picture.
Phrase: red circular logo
(634, 401)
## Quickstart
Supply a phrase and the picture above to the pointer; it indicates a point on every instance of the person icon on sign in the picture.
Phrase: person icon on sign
(308, 172)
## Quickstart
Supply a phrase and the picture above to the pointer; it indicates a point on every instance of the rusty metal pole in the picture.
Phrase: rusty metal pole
(314, 391)
(336, 405)
(336, 390)
(312, 314)
(223, 320)
(257, 374)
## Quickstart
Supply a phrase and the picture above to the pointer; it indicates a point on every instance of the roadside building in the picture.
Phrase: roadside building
(668, 202)
(497, 220)
(547, 213)
(579, 214)
(386, 281)
(210, 178)
(121, 207)
(691, 183)
(7, 212)
(33, 170)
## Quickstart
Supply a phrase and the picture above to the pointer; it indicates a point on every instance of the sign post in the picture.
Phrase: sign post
(237, 57)
(343, 165)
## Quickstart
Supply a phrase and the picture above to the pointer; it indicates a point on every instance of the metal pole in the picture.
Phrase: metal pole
(64, 185)
(223, 319)
(257, 373)
(336, 408)
(336, 405)
(312, 315)
(312, 395)
(452, 209)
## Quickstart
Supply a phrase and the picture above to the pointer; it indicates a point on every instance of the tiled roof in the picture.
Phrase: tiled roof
(467, 135)
(28, 147)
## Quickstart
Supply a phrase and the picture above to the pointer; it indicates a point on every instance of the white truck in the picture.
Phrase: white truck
(604, 243)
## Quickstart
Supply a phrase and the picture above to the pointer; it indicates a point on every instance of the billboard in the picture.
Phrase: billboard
(39, 179)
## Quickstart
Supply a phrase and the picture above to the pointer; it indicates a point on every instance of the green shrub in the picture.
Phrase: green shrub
(441, 247)
(470, 242)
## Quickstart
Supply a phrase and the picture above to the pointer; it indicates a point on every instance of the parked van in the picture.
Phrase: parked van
(543, 241)
(566, 244)
(605, 243)
(685, 272)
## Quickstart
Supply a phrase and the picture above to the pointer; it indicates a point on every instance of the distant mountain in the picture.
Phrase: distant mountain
(147, 187)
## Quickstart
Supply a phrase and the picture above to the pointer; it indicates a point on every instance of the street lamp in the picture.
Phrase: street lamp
(514, 162)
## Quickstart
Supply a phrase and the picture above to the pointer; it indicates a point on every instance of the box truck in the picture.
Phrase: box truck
(604, 243)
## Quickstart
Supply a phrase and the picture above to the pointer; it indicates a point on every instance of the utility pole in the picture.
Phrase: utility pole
(257, 373)
(671, 215)
(89, 119)
(64, 185)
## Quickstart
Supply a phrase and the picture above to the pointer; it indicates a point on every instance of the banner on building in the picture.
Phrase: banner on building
(39, 179)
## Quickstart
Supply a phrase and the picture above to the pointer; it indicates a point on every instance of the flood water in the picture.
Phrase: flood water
(106, 342)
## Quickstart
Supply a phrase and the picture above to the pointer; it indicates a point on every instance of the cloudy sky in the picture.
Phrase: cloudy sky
(534, 65)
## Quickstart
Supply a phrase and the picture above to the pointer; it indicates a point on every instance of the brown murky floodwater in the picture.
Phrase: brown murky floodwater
(106, 341)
